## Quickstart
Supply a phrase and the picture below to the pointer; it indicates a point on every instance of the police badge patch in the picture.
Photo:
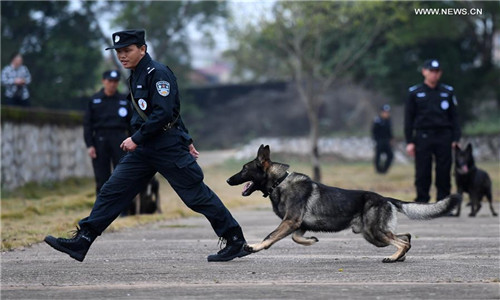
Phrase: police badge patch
(163, 88)
(142, 104)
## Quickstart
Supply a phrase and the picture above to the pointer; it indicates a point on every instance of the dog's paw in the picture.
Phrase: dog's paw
(389, 260)
(250, 248)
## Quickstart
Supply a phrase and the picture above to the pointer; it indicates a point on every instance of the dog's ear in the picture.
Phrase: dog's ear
(469, 148)
(264, 156)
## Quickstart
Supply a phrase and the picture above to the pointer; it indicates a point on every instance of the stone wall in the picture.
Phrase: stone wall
(48, 152)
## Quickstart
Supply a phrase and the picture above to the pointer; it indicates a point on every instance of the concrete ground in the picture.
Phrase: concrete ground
(451, 258)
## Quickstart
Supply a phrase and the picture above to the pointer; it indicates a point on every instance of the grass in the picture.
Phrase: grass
(35, 210)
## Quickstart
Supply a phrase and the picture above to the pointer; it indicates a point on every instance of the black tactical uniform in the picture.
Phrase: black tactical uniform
(163, 146)
(431, 123)
(382, 134)
(106, 124)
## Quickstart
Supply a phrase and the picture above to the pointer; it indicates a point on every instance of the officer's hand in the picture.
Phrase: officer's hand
(410, 149)
(454, 145)
(92, 153)
(128, 145)
(19, 81)
(193, 151)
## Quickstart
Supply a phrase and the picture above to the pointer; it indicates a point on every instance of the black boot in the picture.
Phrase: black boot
(77, 246)
(234, 246)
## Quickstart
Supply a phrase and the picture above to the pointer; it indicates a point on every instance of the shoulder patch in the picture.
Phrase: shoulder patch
(163, 88)
(448, 87)
(412, 88)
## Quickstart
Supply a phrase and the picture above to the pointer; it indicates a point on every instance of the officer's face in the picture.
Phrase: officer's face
(131, 55)
(432, 76)
(17, 61)
(110, 86)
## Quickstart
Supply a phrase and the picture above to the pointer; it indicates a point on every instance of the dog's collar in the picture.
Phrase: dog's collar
(276, 183)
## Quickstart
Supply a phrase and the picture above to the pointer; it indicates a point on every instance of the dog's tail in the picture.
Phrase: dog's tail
(426, 211)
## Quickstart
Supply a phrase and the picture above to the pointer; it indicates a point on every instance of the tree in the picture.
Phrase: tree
(168, 25)
(314, 44)
(63, 64)
(463, 44)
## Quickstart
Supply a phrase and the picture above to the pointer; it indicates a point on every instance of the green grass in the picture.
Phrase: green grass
(35, 210)
(488, 124)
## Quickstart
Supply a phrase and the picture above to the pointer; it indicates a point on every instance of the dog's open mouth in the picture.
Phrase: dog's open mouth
(463, 170)
(247, 189)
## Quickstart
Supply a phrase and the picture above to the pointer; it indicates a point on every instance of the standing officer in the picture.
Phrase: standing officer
(382, 134)
(105, 125)
(431, 130)
(161, 144)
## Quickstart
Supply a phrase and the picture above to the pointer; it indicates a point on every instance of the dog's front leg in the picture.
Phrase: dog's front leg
(285, 228)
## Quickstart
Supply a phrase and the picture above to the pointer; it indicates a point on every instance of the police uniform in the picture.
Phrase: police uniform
(431, 123)
(163, 146)
(106, 124)
(382, 134)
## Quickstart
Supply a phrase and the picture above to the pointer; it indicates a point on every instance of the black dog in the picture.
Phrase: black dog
(305, 205)
(147, 201)
(472, 180)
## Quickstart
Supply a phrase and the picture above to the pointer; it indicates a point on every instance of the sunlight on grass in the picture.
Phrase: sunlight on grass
(30, 213)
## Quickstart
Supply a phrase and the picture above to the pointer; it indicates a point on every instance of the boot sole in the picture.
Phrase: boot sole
(52, 242)
(242, 253)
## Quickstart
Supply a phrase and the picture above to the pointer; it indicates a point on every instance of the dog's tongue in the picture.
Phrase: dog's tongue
(246, 187)
(465, 169)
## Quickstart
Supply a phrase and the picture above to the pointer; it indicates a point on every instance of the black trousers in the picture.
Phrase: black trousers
(169, 156)
(383, 147)
(429, 145)
(107, 145)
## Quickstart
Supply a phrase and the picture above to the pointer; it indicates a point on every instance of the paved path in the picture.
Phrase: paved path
(451, 258)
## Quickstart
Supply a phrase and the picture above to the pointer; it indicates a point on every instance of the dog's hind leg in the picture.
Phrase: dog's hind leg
(401, 242)
(490, 200)
(299, 238)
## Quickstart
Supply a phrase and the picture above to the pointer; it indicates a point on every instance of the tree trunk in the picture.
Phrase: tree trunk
(313, 141)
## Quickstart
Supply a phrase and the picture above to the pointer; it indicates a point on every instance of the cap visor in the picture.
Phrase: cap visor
(118, 46)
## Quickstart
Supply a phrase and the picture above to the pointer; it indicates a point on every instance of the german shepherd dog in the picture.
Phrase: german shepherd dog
(472, 180)
(305, 205)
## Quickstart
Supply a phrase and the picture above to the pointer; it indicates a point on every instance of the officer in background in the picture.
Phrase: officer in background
(431, 130)
(105, 125)
(160, 143)
(382, 134)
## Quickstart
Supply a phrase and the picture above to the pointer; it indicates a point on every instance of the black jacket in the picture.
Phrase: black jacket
(105, 112)
(154, 90)
(431, 109)
(382, 129)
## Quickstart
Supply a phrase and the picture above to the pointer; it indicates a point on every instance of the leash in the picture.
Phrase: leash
(143, 115)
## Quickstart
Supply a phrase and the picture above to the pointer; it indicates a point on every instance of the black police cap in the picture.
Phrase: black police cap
(385, 107)
(126, 38)
(111, 75)
(431, 64)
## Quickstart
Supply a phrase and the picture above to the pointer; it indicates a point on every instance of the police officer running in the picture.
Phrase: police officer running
(161, 144)
(431, 130)
(382, 134)
(105, 125)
